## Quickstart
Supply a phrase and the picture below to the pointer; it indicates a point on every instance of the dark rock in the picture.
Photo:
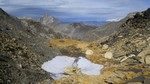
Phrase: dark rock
(136, 79)
(146, 81)
(132, 69)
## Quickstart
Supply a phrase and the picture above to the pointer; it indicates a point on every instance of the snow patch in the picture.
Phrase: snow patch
(57, 66)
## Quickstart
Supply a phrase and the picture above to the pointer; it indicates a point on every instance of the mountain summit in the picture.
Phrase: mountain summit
(48, 20)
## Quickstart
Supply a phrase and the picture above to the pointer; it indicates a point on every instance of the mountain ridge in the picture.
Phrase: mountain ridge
(71, 30)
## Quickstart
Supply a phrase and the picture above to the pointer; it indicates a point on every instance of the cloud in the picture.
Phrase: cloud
(96, 9)
(113, 20)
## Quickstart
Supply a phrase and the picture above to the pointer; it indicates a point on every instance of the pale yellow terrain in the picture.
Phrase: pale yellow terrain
(109, 74)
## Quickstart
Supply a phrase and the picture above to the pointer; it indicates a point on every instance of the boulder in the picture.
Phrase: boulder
(105, 46)
(89, 52)
(108, 55)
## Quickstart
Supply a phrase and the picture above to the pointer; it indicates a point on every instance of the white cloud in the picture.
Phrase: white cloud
(81, 8)
(34, 3)
(112, 20)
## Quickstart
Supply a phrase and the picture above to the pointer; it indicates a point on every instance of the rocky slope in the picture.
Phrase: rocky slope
(24, 47)
(125, 55)
(106, 30)
(133, 36)
(70, 30)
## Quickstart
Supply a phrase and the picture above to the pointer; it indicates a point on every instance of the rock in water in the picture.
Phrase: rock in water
(72, 70)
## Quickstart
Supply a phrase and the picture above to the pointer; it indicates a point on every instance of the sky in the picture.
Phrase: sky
(75, 10)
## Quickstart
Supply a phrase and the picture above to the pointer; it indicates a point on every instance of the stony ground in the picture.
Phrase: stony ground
(115, 71)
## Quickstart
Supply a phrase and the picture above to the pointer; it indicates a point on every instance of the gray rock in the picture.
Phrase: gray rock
(146, 81)
(147, 59)
(108, 55)
(145, 56)
(105, 46)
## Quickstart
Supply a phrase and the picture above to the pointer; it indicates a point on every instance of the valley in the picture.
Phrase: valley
(122, 47)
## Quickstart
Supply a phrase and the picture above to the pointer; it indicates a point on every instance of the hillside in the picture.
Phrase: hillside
(133, 36)
(24, 47)
(103, 32)
(130, 50)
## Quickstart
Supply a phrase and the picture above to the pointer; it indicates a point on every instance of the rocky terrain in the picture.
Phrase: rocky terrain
(23, 48)
(125, 54)
(124, 50)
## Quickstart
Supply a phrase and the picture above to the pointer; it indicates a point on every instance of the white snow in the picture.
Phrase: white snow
(89, 68)
(57, 65)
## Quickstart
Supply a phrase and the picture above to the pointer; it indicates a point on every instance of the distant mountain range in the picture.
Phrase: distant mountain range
(90, 23)
(68, 30)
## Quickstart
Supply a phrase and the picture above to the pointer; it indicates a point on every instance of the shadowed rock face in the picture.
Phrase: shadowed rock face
(23, 48)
